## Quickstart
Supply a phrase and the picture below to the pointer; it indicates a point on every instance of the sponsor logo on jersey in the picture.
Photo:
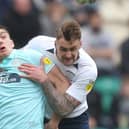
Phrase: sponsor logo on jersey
(89, 86)
(46, 60)
(9, 78)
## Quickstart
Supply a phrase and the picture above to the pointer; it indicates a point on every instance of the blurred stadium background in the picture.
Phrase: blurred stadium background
(109, 100)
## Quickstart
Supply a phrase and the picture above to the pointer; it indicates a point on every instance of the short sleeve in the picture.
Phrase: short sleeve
(48, 63)
(83, 84)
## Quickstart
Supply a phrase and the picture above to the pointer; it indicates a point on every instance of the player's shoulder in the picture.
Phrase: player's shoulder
(86, 64)
(41, 43)
(42, 38)
(27, 55)
(30, 53)
(85, 58)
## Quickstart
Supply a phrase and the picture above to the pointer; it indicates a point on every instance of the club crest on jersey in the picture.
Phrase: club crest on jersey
(18, 61)
(89, 86)
(46, 60)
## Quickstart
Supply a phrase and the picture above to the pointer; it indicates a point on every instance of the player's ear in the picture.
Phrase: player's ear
(55, 43)
(80, 44)
(12, 43)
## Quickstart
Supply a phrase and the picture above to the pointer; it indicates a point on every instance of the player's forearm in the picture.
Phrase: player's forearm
(62, 104)
(53, 122)
(57, 78)
(60, 85)
(55, 118)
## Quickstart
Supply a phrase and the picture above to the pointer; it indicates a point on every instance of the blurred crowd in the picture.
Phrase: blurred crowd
(109, 100)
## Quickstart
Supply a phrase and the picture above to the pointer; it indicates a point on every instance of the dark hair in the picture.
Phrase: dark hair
(69, 30)
(4, 27)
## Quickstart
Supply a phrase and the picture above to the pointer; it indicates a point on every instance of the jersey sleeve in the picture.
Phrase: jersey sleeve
(40, 43)
(38, 58)
(83, 84)
(47, 63)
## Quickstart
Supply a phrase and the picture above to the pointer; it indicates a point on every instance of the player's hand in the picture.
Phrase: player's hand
(35, 73)
(51, 125)
(54, 122)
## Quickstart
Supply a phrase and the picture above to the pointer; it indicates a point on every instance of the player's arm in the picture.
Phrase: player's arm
(55, 88)
(61, 102)
(61, 83)
(58, 80)
(65, 103)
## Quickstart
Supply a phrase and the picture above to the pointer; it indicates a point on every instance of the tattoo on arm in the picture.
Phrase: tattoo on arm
(62, 104)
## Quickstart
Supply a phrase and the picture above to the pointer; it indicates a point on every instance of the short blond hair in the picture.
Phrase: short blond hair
(69, 30)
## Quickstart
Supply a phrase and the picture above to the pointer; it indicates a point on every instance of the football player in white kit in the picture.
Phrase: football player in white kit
(65, 51)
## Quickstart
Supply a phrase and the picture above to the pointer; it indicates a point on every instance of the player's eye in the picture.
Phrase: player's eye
(3, 35)
(63, 49)
(73, 49)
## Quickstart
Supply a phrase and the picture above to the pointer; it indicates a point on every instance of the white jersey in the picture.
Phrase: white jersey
(82, 73)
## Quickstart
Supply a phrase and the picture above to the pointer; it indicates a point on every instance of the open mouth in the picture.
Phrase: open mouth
(68, 60)
(2, 48)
